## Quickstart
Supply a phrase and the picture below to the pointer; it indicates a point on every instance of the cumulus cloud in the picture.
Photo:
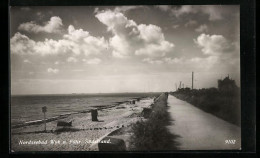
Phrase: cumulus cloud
(130, 38)
(83, 42)
(51, 70)
(213, 44)
(93, 61)
(72, 60)
(75, 42)
(54, 25)
(202, 28)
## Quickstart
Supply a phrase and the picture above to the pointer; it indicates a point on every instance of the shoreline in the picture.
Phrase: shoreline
(109, 119)
(62, 116)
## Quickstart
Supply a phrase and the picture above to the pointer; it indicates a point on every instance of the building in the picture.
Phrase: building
(227, 84)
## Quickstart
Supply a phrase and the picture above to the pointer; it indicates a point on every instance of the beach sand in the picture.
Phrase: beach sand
(84, 132)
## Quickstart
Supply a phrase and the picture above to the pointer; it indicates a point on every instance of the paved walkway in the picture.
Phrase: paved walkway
(200, 130)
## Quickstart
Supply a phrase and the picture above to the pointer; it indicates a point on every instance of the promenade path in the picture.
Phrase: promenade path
(199, 130)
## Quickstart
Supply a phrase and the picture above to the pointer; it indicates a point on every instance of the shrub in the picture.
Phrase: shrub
(153, 133)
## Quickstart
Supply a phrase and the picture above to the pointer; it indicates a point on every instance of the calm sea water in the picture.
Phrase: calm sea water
(29, 107)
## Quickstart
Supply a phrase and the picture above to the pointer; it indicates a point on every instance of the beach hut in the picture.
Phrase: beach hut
(94, 114)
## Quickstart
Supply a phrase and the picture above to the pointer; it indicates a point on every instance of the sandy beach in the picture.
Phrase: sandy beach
(83, 133)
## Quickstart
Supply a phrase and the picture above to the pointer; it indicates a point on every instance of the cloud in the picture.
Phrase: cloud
(174, 60)
(93, 61)
(186, 64)
(166, 60)
(151, 61)
(83, 42)
(57, 63)
(54, 25)
(120, 9)
(185, 9)
(96, 10)
(175, 26)
(213, 44)
(155, 50)
(72, 60)
(164, 7)
(51, 70)
(202, 28)
(130, 38)
(126, 8)
(177, 10)
(27, 61)
(214, 12)
(21, 44)
(74, 42)
(191, 23)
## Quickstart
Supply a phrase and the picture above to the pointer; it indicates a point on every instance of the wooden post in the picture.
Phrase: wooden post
(44, 110)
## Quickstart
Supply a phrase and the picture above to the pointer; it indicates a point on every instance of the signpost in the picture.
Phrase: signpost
(44, 110)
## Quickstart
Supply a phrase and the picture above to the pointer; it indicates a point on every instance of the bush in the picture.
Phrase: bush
(153, 133)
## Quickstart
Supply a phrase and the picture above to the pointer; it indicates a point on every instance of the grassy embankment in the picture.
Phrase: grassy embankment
(223, 104)
(152, 134)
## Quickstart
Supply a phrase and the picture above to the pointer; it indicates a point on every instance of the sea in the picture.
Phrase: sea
(25, 108)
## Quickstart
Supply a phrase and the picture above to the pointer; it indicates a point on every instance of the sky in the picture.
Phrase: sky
(111, 49)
